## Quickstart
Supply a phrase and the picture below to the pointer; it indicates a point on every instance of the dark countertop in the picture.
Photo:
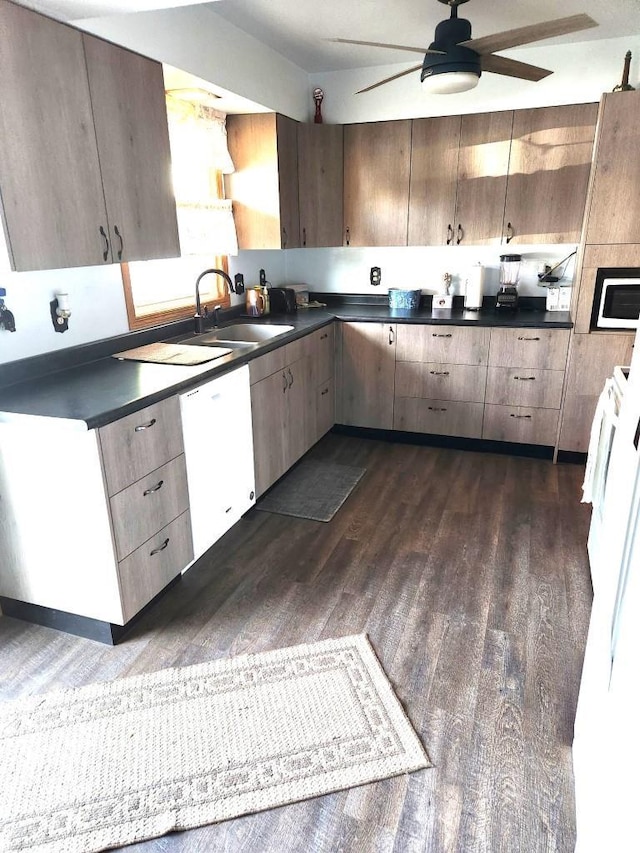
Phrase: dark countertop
(100, 389)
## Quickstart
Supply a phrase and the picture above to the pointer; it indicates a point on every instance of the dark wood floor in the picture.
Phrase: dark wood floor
(468, 572)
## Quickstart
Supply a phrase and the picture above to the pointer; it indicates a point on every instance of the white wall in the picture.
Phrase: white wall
(198, 40)
(581, 73)
(346, 270)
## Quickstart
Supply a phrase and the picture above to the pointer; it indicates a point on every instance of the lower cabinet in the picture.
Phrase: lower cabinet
(439, 417)
(520, 424)
(366, 370)
(110, 530)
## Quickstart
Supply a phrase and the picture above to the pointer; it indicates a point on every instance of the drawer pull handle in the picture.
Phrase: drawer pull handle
(103, 233)
(520, 417)
(119, 236)
(284, 382)
(525, 378)
(153, 489)
(437, 335)
(460, 235)
(326, 391)
(522, 338)
(324, 337)
(290, 377)
(449, 234)
(142, 427)
(439, 372)
(160, 547)
(304, 236)
(510, 233)
(435, 409)
(391, 336)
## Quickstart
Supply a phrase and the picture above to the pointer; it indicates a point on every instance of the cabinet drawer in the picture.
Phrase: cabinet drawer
(441, 417)
(144, 507)
(524, 386)
(446, 344)
(544, 348)
(139, 443)
(150, 568)
(431, 380)
(325, 408)
(520, 424)
(265, 365)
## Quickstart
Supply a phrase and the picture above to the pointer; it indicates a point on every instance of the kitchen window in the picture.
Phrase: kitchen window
(160, 291)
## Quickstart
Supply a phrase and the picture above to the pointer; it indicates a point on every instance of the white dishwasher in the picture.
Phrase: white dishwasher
(218, 446)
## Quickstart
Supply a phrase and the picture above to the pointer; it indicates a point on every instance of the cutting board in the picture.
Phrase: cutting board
(184, 354)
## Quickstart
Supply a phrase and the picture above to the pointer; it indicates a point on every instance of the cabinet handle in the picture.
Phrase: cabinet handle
(510, 232)
(284, 238)
(440, 335)
(460, 234)
(105, 254)
(160, 547)
(449, 234)
(142, 427)
(347, 235)
(119, 236)
(522, 338)
(392, 337)
(284, 382)
(520, 417)
(290, 377)
(439, 372)
(326, 391)
(435, 409)
(324, 337)
(153, 489)
(304, 236)
(525, 378)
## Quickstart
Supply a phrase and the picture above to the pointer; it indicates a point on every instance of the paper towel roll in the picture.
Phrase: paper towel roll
(474, 288)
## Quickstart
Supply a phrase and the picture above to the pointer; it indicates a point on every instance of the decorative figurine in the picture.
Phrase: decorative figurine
(318, 95)
(624, 86)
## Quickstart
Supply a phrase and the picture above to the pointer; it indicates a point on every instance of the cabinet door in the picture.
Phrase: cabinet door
(543, 348)
(130, 115)
(613, 204)
(50, 181)
(376, 183)
(269, 415)
(287, 135)
(300, 415)
(434, 170)
(320, 181)
(549, 166)
(483, 163)
(367, 371)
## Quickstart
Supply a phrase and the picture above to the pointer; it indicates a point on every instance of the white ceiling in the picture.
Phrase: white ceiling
(299, 29)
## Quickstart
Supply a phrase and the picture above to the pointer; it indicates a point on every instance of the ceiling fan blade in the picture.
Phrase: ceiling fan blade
(389, 79)
(421, 50)
(511, 68)
(526, 35)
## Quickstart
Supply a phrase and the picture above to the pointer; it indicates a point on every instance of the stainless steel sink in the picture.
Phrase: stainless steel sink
(240, 334)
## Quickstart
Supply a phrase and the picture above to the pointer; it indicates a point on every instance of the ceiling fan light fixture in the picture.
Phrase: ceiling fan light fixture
(450, 82)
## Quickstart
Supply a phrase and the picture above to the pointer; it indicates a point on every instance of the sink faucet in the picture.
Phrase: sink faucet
(198, 318)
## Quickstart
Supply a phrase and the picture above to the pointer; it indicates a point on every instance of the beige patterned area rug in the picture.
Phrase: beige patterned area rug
(110, 764)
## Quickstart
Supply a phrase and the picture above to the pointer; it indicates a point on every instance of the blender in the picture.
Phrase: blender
(507, 296)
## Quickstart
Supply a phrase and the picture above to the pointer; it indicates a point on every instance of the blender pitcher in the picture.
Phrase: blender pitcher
(507, 296)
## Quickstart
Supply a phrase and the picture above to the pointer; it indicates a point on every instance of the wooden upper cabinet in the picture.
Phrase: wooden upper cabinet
(376, 183)
(130, 116)
(483, 164)
(264, 186)
(434, 174)
(613, 208)
(84, 148)
(320, 184)
(549, 168)
(50, 183)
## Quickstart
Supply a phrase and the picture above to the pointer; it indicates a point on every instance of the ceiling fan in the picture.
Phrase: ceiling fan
(454, 61)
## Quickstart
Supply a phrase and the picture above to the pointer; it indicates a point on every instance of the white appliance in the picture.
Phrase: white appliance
(616, 303)
(606, 747)
(218, 446)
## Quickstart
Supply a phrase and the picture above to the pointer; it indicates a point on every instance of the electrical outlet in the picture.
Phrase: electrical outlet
(375, 276)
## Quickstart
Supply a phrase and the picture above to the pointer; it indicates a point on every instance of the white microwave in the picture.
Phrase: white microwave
(616, 303)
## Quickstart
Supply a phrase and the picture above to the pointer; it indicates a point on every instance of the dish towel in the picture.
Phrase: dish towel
(605, 404)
